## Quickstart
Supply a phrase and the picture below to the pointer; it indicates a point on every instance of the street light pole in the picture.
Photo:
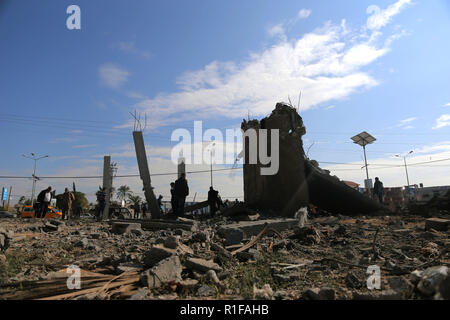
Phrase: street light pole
(406, 167)
(365, 162)
(33, 157)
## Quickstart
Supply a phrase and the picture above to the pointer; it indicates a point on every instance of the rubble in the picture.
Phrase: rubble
(327, 259)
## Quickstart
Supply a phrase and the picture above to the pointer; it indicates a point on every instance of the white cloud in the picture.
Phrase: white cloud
(84, 146)
(130, 47)
(112, 76)
(277, 31)
(447, 105)
(304, 13)
(442, 121)
(380, 18)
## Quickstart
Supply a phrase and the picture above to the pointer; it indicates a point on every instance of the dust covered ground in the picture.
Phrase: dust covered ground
(326, 259)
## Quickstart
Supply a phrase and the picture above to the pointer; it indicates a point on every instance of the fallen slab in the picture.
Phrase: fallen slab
(124, 227)
(161, 224)
(252, 228)
(437, 224)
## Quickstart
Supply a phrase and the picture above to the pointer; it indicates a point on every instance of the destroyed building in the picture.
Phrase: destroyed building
(299, 181)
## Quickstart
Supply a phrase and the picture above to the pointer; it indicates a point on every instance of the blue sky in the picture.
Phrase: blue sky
(376, 66)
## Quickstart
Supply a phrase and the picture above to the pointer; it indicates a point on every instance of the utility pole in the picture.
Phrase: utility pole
(9, 196)
(33, 157)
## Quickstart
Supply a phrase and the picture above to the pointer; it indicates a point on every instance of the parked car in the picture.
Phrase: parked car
(29, 212)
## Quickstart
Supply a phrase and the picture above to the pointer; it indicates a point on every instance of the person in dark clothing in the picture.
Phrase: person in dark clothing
(137, 210)
(144, 210)
(212, 201)
(44, 198)
(101, 199)
(181, 191)
(160, 205)
(173, 199)
(378, 189)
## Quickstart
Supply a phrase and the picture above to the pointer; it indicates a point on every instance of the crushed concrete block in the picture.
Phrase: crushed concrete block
(124, 227)
(437, 224)
(232, 236)
(201, 265)
(156, 254)
(171, 242)
(206, 291)
(166, 271)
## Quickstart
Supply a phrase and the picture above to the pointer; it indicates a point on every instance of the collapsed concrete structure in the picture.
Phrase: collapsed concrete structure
(299, 181)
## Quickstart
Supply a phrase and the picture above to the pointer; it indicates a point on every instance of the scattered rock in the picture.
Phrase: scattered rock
(166, 271)
(156, 254)
(206, 291)
(431, 279)
(232, 236)
(437, 224)
(201, 265)
(265, 292)
(124, 227)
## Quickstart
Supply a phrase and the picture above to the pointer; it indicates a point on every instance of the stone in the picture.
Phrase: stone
(211, 275)
(232, 236)
(156, 254)
(402, 286)
(49, 227)
(265, 292)
(128, 267)
(142, 294)
(171, 242)
(124, 227)
(252, 228)
(437, 224)
(311, 294)
(83, 243)
(308, 235)
(326, 293)
(201, 265)
(352, 281)
(166, 271)
(431, 279)
(206, 291)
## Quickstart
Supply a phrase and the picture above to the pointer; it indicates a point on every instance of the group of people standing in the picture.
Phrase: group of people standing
(44, 199)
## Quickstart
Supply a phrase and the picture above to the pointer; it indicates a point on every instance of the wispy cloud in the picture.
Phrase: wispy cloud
(112, 76)
(304, 13)
(130, 47)
(442, 121)
(447, 105)
(380, 18)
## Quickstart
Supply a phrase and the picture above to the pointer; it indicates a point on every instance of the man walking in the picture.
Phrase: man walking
(181, 191)
(137, 210)
(44, 198)
(68, 197)
(378, 189)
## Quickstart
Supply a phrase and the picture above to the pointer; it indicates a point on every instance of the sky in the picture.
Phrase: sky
(360, 65)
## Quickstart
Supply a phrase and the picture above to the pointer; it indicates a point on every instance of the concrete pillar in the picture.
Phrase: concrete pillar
(145, 174)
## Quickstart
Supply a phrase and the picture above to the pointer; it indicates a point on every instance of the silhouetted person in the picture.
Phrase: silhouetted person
(144, 210)
(137, 210)
(101, 199)
(67, 199)
(378, 189)
(44, 198)
(181, 191)
(173, 199)
(212, 201)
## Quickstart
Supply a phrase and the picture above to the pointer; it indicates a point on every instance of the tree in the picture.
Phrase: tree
(134, 199)
(80, 200)
(124, 192)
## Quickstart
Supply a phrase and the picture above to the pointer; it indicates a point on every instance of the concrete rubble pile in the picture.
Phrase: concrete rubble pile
(326, 258)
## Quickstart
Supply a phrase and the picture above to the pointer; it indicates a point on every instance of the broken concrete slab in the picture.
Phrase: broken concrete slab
(252, 228)
(201, 265)
(156, 254)
(166, 271)
(232, 236)
(437, 224)
(124, 227)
